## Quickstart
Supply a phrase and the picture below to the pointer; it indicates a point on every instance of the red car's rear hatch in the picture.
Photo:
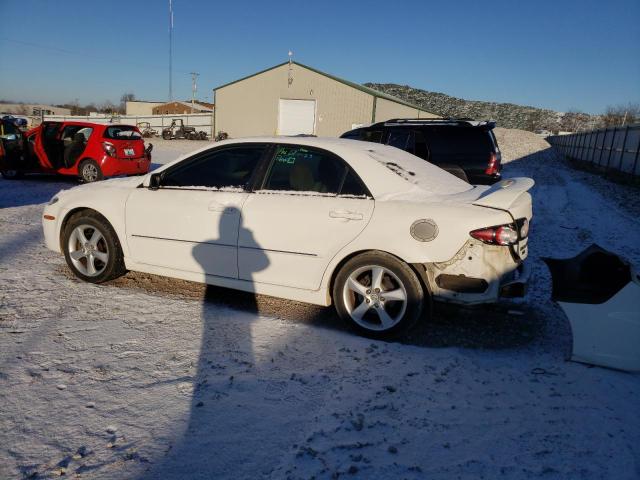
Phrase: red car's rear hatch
(128, 148)
(126, 139)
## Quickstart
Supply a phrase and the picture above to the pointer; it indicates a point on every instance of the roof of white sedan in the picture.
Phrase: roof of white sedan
(388, 172)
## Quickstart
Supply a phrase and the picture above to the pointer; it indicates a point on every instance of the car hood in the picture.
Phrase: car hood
(123, 182)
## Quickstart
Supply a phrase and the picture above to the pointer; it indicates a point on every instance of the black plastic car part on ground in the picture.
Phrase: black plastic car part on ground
(468, 149)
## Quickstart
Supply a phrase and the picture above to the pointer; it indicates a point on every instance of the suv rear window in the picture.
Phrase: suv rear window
(122, 132)
(364, 134)
(462, 140)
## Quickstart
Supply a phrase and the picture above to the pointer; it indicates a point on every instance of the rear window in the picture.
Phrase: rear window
(122, 132)
(459, 140)
(365, 135)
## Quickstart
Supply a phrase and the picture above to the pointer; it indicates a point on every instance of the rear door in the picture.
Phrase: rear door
(310, 206)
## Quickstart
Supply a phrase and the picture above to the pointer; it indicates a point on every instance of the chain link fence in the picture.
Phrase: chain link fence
(614, 148)
(201, 121)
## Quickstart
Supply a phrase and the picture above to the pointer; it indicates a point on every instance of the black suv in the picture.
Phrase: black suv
(468, 149)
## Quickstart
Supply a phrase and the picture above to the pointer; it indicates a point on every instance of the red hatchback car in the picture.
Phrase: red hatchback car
(91, 151)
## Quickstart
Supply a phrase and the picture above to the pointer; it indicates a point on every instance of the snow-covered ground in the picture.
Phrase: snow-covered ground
(152, 378)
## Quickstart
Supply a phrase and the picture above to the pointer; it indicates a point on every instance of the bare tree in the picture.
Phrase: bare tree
(126, 97)
(619, 115)
(575, 121)
(107, 107)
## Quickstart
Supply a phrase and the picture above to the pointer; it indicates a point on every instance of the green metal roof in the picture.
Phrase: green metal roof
(357, 86)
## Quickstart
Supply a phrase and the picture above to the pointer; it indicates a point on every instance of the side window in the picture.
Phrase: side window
(374, 136)
(402, 139)
(421, 150)
(365, 135)
(228, 168)
(69, 133)
(302, 169)
(353, 134)
(353, 186)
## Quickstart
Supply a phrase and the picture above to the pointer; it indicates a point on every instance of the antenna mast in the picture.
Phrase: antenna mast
(194, 88)
(170, 50)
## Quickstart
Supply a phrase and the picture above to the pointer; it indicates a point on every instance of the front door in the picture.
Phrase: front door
(311, 206)
(191, 221)
(46, 144)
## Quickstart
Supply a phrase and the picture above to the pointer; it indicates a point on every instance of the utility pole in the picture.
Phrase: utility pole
(170, 50)
(194, 88)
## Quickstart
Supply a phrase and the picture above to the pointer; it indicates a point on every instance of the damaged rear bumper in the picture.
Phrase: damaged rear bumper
(478, 274)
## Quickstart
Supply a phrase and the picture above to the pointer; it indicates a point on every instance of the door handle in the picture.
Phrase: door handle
(346, 214)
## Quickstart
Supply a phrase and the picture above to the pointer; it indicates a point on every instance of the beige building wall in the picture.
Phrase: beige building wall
(386, 110)
(32, 109)
(140, 108)
(250, 106)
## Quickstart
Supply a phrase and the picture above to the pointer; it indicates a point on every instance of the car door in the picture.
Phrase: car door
(190, 222)
(310, 205)
(45, 143)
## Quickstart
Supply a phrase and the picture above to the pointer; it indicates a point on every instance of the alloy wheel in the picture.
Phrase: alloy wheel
(89, 172)
(88, 250)
(375, 298)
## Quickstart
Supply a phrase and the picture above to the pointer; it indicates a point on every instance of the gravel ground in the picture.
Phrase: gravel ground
(147, 377)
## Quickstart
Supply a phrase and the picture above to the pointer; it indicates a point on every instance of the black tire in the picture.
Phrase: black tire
(166, 135)
(114, 266)
(90, 171)
(10, 174)
(398, 276)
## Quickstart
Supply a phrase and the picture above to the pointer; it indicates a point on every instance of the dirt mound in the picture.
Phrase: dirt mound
(516, 144)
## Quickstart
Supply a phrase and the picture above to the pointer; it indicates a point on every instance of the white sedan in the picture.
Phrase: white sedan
(372, 229)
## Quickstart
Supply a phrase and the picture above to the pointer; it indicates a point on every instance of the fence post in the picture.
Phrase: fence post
(604, 138)
(595, 145)
(613, 141)
(635, 162)
(570, 146)
(624, 144)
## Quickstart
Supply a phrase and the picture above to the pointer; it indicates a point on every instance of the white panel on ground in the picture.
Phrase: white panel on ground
(296, 117)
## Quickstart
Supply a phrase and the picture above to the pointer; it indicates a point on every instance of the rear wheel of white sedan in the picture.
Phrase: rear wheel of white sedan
(378, 295)
(92, 249)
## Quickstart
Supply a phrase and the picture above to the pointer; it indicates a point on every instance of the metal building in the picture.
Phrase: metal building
(292, 99)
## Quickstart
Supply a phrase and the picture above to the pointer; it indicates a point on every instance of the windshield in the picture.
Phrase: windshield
(122, 132)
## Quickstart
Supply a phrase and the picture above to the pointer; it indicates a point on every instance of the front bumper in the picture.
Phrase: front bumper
(50, 228)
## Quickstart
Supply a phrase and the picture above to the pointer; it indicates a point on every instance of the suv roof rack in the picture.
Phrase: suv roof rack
(442, 121)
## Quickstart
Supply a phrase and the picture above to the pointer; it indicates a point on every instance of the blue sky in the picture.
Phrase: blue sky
(556, 54)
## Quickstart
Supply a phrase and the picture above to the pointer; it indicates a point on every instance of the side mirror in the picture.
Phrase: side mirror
(155, 181)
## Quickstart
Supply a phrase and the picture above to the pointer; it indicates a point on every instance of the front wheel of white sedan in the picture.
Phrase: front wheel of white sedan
(92, 249)
(378, 295)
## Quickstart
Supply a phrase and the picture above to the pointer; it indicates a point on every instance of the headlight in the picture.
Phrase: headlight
(53, 200)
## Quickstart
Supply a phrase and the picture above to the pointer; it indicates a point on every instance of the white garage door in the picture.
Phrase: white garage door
(296, 117)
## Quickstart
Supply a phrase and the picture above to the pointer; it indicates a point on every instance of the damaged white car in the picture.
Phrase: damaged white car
(369, 228)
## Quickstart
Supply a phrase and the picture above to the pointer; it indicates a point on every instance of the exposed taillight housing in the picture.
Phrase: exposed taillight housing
(499, 235)
(109, 149)
(493, 167)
